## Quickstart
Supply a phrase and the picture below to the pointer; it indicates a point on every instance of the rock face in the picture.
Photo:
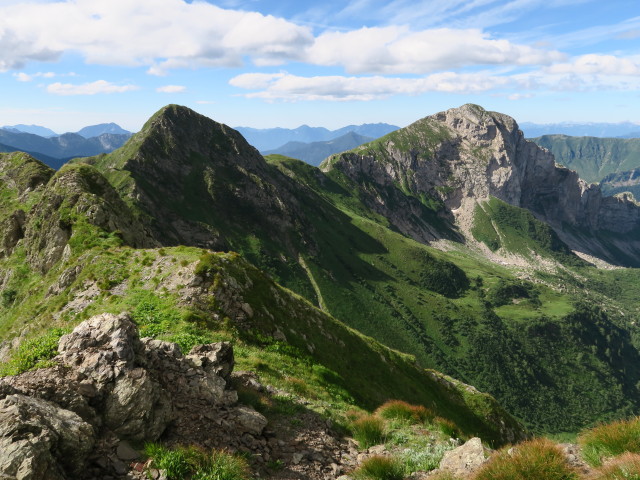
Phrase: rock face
(110, 386)
(465, 155)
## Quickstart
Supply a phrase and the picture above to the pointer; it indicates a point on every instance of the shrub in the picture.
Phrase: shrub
(398, 409)
(379, 468)
(537, 459)
(624, 467)
(610, 440)
(197, 464)
(368, 430)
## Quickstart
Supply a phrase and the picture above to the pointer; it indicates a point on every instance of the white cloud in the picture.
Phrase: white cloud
(171, 89)
(286, 87)
(594, 64)
(93, 88)
(23, 77)
(159, 33)
(396, 50)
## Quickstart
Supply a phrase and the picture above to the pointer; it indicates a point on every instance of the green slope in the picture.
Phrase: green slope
(533, 339)
(593, 158)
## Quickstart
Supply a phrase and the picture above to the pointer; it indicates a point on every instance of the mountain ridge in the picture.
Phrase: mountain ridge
(354, 240)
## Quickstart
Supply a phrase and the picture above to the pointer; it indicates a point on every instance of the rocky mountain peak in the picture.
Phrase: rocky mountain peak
(466, 155)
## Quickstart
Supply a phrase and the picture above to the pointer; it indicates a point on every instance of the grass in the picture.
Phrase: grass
(379, 468)
(609, 440)
(538, 459)
(33, 353)
(623, 467)
(193, 463)
(368, 430)
(398, 409)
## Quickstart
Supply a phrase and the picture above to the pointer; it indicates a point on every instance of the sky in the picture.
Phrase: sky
(66, 64)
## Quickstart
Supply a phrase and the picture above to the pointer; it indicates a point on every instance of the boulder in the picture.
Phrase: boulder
(465, 459)
(41, 441)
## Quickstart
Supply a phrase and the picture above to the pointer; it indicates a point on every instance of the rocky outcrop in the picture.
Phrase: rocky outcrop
(109, 387)
(77, 194)
(465, 459)
(466, 155)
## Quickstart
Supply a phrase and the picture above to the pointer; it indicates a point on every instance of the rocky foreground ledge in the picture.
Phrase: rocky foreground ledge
(109, 390)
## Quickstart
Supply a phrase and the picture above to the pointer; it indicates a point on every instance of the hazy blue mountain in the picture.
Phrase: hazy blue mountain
(273, 138)
(61, 147)
(623, 129)
(635, 134)
(34, 129)
(314, 152)
(96, 130)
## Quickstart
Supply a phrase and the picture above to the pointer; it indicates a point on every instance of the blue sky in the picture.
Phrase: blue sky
(66, 64)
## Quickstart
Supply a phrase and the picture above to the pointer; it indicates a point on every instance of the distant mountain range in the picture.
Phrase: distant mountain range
(269, 139)
(620, 130)
(315, 152)
(54, 150)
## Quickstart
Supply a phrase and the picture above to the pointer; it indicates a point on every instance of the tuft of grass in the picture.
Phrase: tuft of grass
(401, 410)
(447, 427)
(624, 467)
(610, 440)
(33, 353)
(379, 467)
(368, 430)
(535, 459)
(197, 464)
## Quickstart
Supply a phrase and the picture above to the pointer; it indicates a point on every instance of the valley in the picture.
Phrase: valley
(453, 245)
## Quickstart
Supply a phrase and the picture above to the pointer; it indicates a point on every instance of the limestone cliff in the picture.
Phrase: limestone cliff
(465, 155)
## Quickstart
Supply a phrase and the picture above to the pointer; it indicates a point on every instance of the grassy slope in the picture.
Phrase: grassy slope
(532, 352)
(593, 158)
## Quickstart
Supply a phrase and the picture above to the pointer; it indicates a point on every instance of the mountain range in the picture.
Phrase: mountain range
(274, 138)
(452, 245)
(621, 130)
(55, 150)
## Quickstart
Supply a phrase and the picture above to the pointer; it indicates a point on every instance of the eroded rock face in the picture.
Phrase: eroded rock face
(41, 441)
(465, 155)
(111, 386)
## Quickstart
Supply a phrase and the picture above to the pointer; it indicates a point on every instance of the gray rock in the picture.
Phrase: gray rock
(215, 358)
(465, 459)
(249, 420)
(41, 441)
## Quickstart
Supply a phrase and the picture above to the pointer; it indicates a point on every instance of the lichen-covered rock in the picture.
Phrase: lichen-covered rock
(41, 441)
(465, 459)
(110, 383)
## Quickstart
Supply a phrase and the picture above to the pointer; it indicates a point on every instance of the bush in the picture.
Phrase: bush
(610, 440)
(194, 463)
(368, 430)
(538, 459)
(398, 409)
(624, 467)
(379, 468)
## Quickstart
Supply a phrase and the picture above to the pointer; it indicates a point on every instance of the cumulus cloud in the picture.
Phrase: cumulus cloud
(170, 34)
(93, 88)
(594, 64)
(23, 77)
(158, 33)
(287, 87)
(171, 89)
(395, 50)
